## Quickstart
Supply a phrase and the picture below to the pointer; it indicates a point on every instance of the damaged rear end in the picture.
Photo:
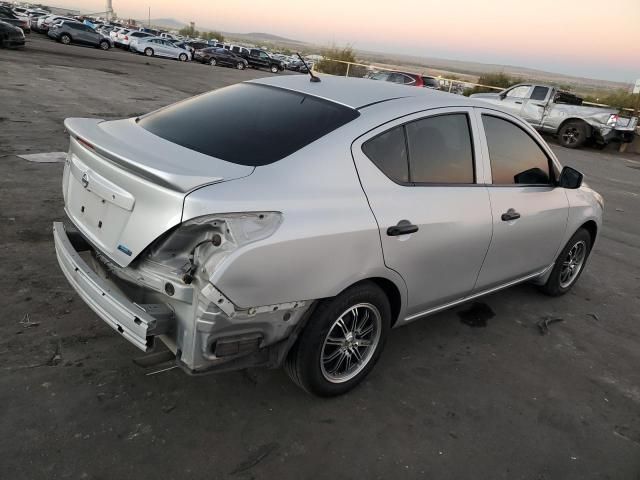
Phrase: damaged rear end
(142, 268)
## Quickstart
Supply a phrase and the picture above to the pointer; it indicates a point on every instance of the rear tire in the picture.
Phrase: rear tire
(65, 39)
(569, 264)
(212, 62)
(104, 45)
(274, 69)
(240, 66)
(572, 134)
(148, 52)
(338, 348)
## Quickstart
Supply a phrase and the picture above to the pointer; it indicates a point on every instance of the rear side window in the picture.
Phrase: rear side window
(388, 152)
(440, 149)
(514, 156)
(539, 93)
(248, 124)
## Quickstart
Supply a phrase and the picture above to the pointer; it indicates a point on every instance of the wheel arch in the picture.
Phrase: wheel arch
(578, 120)
(591, 227)
(391, 290)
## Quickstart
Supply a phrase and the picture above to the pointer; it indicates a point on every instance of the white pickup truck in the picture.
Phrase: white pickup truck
(561, 113)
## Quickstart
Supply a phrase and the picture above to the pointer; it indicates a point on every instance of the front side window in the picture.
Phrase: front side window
(514, 156)
(518, 92)
(440, 149)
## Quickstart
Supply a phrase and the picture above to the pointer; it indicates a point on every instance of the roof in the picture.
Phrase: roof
(357, 92)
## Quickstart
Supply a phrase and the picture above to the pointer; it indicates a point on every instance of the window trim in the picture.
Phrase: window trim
(550, 163)
(403, 125)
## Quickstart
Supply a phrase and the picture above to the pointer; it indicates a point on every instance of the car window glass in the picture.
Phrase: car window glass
(539, 93)
(440, 149)
(248, 124)
(388, 151)
(518, 92)
(514, 156)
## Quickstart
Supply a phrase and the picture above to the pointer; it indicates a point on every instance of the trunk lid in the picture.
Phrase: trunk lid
(124, 187)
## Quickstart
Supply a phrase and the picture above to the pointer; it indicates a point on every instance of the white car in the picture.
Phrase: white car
(159, 47)
(134, 38)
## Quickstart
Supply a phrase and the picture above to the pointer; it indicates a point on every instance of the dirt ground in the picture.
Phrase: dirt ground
(447, 400)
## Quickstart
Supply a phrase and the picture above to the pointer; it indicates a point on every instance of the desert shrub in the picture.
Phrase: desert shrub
(499, 79)
(345, 54)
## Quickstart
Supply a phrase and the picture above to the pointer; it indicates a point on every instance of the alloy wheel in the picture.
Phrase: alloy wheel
(573, 263)
(350, 343)
(571, 136)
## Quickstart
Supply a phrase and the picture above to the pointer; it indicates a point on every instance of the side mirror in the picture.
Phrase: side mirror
(503, 95)
(570, 178)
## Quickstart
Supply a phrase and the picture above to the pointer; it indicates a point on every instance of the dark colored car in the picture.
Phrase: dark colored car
(405, 78)
(257, 58)
(7, 15)
(297, 66)
(10, 35)
(220, 56)
(76, 32)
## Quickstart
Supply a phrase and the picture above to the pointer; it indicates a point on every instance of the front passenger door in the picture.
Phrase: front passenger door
(529, 211)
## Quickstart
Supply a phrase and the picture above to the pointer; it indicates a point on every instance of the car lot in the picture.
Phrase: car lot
(447, 400)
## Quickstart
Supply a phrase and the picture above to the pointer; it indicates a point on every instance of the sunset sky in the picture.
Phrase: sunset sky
(593, 38)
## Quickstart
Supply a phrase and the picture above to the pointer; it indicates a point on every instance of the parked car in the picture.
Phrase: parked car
(121, 38)
(238, 50)
(130, 40)
(405, 78)
(159, 47)
(46, 21)
(560, 113)
(193, 45)
(33, 19)
(257, 58)
(75, 32)
(220, 56)
(7, 15)
(284, 221)
(10, 35)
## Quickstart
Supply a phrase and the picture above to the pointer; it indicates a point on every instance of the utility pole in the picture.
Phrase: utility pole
(149, 22)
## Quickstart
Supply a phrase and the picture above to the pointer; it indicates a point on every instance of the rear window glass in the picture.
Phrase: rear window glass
(248, 124)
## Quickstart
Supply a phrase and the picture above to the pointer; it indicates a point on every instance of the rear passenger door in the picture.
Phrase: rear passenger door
(529, 211)
(534, 105)
(420, 176)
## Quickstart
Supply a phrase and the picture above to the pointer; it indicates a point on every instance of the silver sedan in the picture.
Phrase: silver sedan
(288, 222)
(160, 47)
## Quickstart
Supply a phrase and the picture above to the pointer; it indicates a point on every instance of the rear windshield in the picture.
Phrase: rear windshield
(248, 124)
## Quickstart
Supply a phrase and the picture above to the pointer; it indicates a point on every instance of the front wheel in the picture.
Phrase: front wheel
(572, 134)
(212, 62)
(148, 52)
(183, 57)
(342, 341)
(240, 66)
(274, 69)
(65, 39)
(569, 264)
(104, 45)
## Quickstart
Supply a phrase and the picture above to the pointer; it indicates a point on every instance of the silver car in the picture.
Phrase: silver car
(159, 47)
(288, 222)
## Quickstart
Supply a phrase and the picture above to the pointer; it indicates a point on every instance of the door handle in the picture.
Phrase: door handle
(403, 227)
(519, 103)
(511, 214)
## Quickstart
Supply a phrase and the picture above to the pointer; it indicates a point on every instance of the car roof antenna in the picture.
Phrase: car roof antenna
(313, 78)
